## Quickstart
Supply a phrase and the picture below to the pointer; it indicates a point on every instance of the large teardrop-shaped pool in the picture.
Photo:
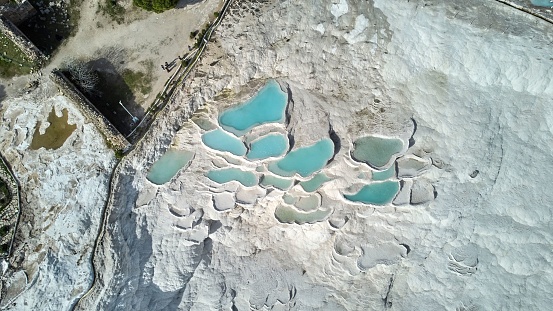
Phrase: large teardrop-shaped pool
(268, 105)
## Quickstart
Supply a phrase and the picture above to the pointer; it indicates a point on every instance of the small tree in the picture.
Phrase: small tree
(157, 6)
(82, 75)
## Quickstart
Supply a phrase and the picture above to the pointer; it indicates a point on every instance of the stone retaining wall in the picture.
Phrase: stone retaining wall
(9, 216)
(8, 29)
(113, 137)
(21, 12)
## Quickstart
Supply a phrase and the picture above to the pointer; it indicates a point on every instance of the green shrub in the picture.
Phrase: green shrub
(114, 10)
(157, 6)
(119, 154)
(4, 230)
(138, 81)
(4, 248)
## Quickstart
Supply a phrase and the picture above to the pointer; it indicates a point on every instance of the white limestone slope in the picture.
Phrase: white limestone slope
(63, 192)
(474, 77)
(481, 95)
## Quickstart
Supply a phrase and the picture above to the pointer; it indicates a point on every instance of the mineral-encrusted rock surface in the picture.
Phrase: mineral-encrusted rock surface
(465, 86)
(63, 192)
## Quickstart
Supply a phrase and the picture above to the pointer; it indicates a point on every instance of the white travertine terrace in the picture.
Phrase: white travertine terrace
(470, 81)
(466, 85)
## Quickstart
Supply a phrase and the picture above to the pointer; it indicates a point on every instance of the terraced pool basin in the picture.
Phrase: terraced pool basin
(225, 175)
(286, 214)
(279, 183)
(168, 165)
(223, 141)
(378, 152)
(314, 183)
(386, 174)
(378, 193)
(266, 106)
(304, 161)
(308, 204)
(543, 3)
(272, 145)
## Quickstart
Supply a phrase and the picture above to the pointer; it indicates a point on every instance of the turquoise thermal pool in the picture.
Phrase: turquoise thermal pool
(225, 175)
(289, 199)
(386, 174)
(272, 181)
(379, 193)
(168, 165)
(223, 141)
(308, 204)
(272, 145)
(267, 106)
(544, 3)
(314, 183)
(304, 161)
(376, 151)
(286, 214)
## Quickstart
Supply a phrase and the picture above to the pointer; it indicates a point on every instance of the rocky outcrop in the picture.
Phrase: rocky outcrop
(62, 193)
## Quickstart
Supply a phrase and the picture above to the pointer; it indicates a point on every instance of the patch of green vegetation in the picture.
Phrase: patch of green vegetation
(119, 153)
(4, 248)
(139, 81)
(4, 230)
(13, 62)
(224, 94)
(157, 6)
(200, 35)
(114, 10)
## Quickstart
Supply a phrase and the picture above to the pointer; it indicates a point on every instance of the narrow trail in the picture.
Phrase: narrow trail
(525, 10)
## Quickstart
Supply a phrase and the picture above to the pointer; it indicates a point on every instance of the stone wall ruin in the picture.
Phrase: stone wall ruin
(113, 137)
(10, 17)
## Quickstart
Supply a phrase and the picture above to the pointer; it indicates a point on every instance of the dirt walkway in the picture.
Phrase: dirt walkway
(149, 39)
